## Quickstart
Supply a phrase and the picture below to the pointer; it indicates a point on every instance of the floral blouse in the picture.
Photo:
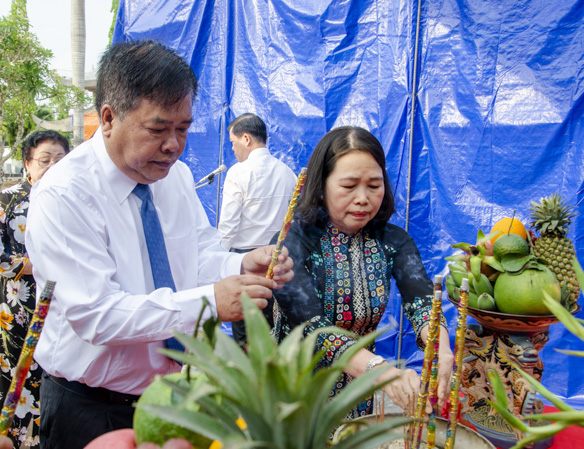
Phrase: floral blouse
(343, 280)
(17, 305)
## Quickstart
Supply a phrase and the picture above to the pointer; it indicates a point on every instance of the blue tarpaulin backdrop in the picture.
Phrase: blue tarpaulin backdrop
(497, 119)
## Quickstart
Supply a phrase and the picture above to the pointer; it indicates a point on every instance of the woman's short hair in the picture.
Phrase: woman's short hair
(35, 139)
(335, 144)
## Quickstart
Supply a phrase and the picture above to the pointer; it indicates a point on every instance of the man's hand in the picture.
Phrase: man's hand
(5, 442)
(175, 443)
(257, 262)
(228, 294)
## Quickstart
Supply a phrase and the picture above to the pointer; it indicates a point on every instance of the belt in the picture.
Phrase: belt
(240, 251)
(98, 394)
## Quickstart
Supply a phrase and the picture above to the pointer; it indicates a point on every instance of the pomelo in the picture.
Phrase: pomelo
(522, 294)
(149, 427)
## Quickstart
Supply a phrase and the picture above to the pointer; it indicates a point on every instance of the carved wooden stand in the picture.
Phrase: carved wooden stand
(499, 343)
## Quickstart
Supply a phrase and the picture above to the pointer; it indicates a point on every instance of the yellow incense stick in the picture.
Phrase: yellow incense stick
(433, 393)
(430, 353)
(287, 222)
(25, 359)
(458, 353)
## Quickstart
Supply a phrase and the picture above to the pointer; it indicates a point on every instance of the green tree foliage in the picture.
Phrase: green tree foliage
(27, 83)
(114, 9)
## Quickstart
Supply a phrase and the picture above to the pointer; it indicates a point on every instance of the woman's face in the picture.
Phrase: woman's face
(354, 191)
(41, 158)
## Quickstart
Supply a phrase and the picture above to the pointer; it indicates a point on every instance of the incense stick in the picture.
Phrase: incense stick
(287, 221)
(430, 352)
(458, 353)
(433, 394)
(25, 359)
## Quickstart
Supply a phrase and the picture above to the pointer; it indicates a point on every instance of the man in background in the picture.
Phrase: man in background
(256, 193)
(119, 227)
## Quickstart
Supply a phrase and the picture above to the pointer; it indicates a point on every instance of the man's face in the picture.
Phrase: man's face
(240, 146)
(147, 142)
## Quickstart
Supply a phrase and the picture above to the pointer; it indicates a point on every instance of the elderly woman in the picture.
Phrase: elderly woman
(17, 287)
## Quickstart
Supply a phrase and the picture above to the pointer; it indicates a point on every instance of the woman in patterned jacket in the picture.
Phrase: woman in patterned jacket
(345, 253)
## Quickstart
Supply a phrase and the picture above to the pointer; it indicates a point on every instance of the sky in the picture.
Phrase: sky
(51, 22)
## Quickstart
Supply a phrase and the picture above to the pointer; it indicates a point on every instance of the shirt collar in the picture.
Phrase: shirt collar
(120, 184)
(259, 152)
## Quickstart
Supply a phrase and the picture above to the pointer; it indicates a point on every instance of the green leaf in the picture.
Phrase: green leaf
(258, 428)
(232, 353)
(557, 402)
(491, 235)
(579, 272)
(493, 263)
(261, 346)
(564, 316)
(194, 421)
(457, 258)
(515, 263)
(359, 389)
(501, 403)
(574, 417)
(576, 353)
(475, 266)
(463, 246)
(218, 408)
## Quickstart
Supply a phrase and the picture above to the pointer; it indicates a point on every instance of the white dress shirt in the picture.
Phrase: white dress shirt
(256, 195)
(106, 321)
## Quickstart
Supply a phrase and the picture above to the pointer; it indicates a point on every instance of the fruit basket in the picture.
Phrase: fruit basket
(507, 322)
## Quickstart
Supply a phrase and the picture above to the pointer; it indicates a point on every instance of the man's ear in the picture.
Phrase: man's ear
(248, 139)
(107, 118)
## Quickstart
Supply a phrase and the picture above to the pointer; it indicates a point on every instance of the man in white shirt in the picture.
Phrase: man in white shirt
(256, 193)
(107, 321)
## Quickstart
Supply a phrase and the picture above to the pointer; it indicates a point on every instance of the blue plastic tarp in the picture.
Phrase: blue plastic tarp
(496, 121)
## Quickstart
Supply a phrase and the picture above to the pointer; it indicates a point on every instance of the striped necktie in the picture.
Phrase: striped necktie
(156, 248)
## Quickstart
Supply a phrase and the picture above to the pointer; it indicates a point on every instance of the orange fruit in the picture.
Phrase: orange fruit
(522, 294)
(503, 225)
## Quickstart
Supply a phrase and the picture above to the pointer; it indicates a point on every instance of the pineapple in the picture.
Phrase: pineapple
(552, 218)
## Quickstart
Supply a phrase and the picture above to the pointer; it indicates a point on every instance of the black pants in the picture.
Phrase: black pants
(70, 420)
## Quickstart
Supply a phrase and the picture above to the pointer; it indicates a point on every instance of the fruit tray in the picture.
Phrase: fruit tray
(507, 322)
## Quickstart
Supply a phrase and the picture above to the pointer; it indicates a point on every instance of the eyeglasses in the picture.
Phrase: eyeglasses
(44, 162)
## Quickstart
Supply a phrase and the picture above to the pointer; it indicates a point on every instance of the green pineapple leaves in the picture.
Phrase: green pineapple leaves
(275, 389)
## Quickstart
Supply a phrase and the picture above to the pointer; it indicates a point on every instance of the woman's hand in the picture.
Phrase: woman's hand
(403, 391)
(445, 366)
